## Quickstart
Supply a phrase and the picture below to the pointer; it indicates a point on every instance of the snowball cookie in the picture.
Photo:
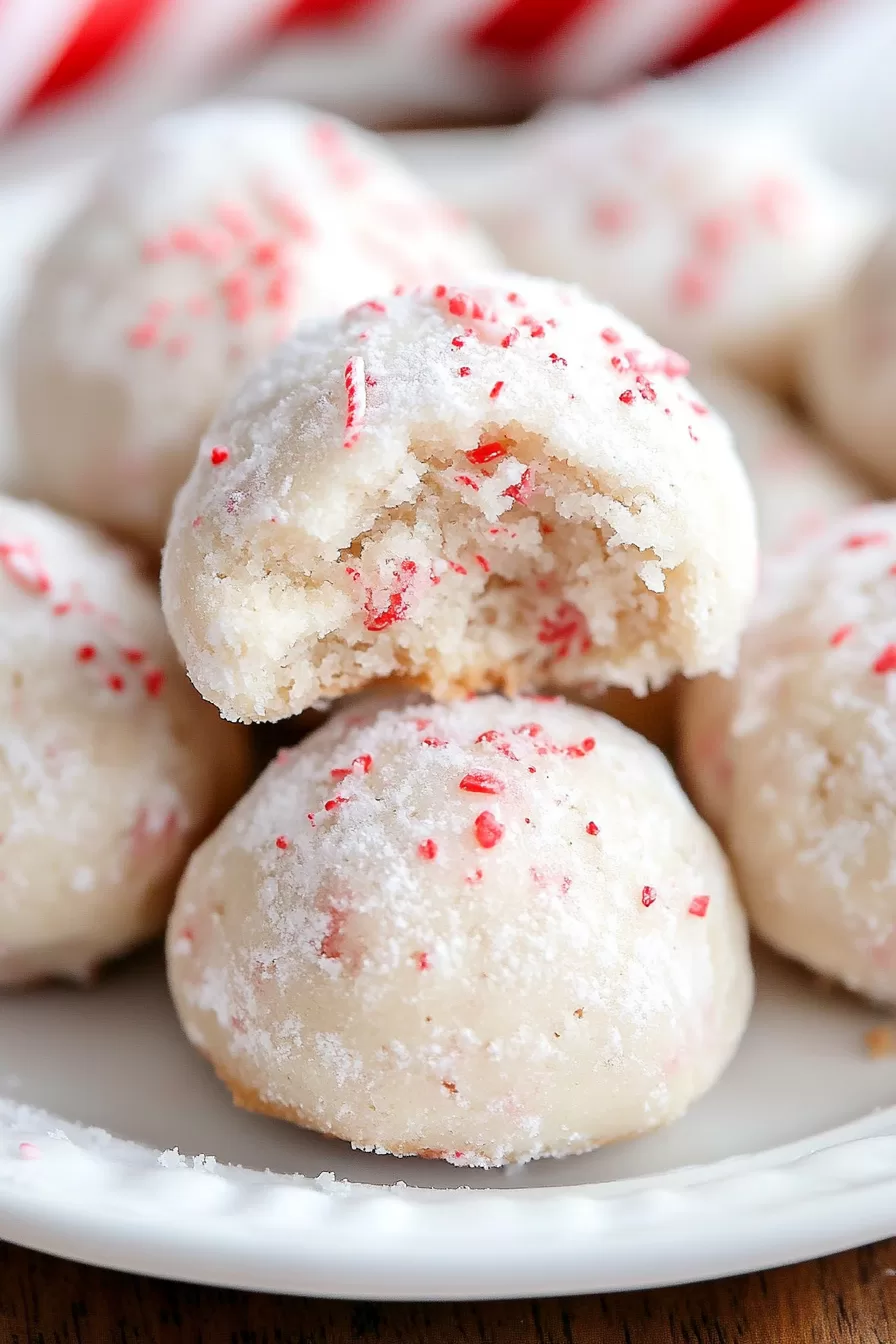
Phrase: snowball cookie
(722, 237)
(798, 488)
(848, 373)
(812, 824)
(487, 932)
(198, 251)
(111, 768)
(493, 489)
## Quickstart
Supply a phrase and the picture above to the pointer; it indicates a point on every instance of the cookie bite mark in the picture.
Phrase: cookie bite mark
(465, 543)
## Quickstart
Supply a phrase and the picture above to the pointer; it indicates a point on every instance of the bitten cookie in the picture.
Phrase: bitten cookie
(111, 768)
(197, 252)
(848, 373)
(812, 824)
(486, 932)
(718, 235)
(799, 489)
(494, 488)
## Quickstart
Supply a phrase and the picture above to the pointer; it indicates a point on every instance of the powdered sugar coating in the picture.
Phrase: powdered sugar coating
(475, 931)
(848, 370)
(720, 236)
(111, 768)
(535, 495)
(812, 825)
(198, 251)
(799, 488)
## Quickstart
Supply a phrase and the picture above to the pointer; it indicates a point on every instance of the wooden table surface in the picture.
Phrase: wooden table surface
(845, 1299)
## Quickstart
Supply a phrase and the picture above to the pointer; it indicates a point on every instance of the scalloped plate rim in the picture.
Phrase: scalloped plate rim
(828, 1192)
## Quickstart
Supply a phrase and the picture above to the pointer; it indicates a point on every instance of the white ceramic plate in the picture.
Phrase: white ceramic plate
(790, 1156)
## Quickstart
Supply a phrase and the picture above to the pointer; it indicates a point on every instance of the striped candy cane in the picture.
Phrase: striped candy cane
(155, 52)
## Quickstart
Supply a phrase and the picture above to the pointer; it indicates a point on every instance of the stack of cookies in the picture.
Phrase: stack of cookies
(457, 512)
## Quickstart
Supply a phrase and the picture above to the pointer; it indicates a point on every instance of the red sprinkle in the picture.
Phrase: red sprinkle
(86, 653)
(218, 455)
(356, 400)
(481, 781)
(153, 682)
(23, 567)
(612, 217)
(236, 290)
(557, 359)
(648, 896)
(427, 849)
(281, 842)
(266, 254)
(331, 945)
(332, 803)
(582, 749)
(133, 655)
(610, 335)
(115, 682)
(592, 828)
(363, 763)
(627, 396)
(699, 906)
(464, 372)
(499, 742)
(277, 293)
(467, 480)
(486, 452)
(487, 829)
(496, 389)
(567, 627)
(143, 335)
(512, 335)
(886, 661)
(841, 633)
(522, 491)
(397, 608)
(483, 563)
(434, 742)
(423, 961)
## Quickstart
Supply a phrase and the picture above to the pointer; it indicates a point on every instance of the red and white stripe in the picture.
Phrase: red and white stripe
(374, 58)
